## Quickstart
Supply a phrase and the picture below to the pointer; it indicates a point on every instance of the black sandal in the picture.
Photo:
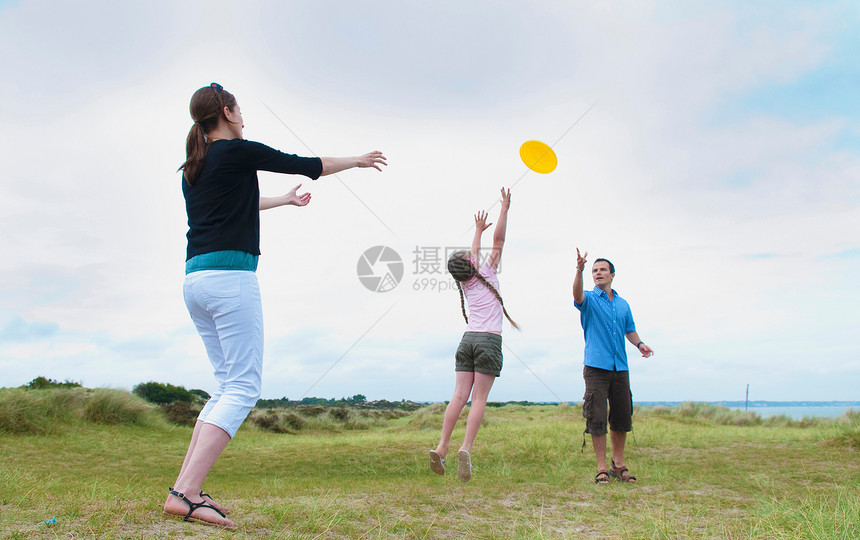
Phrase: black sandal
(601, 478)
(618, 473)
(192, 506)
(211, 498)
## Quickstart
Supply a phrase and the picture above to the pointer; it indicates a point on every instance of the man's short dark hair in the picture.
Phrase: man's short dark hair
(611, 266)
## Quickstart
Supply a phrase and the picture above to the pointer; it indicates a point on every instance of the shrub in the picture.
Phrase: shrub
(202, 394)
(160, 393)
(295, 421)
(311, 410)
(182, 413)
(340, 414)
(269, 422)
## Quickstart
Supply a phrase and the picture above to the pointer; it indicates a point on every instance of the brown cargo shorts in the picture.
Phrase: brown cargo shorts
(601, 386)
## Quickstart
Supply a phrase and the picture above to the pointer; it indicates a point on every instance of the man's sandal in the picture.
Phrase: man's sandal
(192, 506)
(601, 478)
(621, 473)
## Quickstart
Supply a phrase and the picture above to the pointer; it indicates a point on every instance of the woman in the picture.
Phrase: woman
(222, 199)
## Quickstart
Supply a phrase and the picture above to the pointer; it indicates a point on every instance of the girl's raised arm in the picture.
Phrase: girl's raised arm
(501, 229)
(481, 225)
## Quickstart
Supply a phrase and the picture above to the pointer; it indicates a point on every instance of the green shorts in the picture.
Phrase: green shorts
(480, 352)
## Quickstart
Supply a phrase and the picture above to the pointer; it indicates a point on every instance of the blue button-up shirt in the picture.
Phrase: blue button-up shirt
(605, 325)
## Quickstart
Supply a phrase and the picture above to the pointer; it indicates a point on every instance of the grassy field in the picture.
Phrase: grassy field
(704, 472)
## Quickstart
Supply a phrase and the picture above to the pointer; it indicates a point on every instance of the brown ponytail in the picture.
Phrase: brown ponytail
(207, 106)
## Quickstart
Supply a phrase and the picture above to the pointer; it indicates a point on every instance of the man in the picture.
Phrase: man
(606, 320)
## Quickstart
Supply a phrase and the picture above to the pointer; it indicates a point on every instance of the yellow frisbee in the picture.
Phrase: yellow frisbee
(538, 156)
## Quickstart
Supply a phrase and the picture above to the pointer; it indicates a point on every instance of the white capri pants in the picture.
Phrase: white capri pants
(225, 306)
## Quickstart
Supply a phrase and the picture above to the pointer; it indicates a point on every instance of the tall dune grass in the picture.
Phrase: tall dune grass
(44, 412)
(430, 417)
(722, 415)
(110, 406)
(847, 431)
(331, 419)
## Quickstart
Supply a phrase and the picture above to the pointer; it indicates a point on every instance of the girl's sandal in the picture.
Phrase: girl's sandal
(437, 462)
(464, 465)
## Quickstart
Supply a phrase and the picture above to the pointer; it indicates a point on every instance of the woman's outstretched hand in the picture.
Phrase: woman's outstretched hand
(291, 198)
(333, 165)
(294, 199)
(372, 159)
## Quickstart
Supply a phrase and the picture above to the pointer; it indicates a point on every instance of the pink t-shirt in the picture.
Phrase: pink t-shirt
(485, 311)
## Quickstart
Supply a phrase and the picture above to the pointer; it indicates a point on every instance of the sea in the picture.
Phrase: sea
(796, 410)
(801, 412)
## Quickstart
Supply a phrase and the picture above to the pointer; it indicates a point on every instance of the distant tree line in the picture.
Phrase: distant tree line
(174, 398)
(42, 383)
(287, 402)
(523, 403)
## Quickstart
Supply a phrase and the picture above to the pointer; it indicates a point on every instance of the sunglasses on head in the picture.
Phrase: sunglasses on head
(218, 88)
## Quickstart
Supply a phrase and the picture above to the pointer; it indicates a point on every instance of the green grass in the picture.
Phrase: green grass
(699, 477)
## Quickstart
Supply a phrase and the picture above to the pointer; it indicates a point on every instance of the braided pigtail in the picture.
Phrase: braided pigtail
(461, 270)
(483, 280)
(462, 301)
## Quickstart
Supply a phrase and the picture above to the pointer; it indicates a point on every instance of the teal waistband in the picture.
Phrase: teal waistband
(222, 260)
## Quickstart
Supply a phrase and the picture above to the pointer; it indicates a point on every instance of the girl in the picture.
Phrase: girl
(479, 356)
(222, 199)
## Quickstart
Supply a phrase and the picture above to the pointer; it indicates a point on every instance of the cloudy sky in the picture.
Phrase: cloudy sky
(711, 150)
